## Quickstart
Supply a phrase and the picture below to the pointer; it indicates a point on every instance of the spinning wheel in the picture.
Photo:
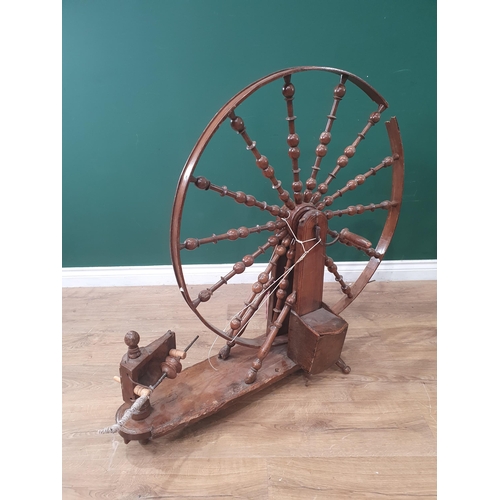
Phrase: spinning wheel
(309, 199)
(301, 235)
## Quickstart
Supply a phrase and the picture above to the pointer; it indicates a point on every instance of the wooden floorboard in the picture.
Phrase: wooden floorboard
(369, 434)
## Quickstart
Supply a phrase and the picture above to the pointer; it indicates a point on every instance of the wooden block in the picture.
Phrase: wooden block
(146, 368)
(315, 339)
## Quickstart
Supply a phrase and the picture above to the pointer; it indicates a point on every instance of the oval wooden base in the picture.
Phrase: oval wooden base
(200, 391)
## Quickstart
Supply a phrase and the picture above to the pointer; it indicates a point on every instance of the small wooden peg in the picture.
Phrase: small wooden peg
(347, 237)
(117, 379)
(175, 353)
(141, 391)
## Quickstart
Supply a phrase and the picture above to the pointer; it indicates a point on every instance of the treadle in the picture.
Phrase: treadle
(199, 391)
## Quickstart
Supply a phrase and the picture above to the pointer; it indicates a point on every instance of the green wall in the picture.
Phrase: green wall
(141, 79)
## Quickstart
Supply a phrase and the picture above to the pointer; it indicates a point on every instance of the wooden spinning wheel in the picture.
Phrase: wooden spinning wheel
(303, 227)
(310, 199)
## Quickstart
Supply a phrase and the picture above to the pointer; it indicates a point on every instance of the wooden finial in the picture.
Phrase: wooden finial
(132, 339)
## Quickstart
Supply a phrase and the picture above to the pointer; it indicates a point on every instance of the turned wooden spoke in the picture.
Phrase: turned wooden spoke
(357, 181)
(262, 162)
(239, 268)
(349, 152)
(292, 139)
(325, 137)
(360, 209)
(341, 237)
(271, 335)
(281, 293)
(238, 196)
(264, 280)
(332, 267)
(240, 321)
(232, 234)
(259, 290)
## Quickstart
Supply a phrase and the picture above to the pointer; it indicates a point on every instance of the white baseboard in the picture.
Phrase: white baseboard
(201, 274)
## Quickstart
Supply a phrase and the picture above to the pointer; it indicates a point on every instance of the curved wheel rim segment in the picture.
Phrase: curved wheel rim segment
(186, 178)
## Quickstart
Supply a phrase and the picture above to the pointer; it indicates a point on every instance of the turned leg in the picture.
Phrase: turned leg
(266, 346)
(345, 368)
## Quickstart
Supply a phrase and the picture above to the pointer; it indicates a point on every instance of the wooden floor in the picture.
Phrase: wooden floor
(369, 434)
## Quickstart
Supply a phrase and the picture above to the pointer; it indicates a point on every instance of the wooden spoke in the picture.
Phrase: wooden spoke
(349, 152)
(281, 293)
(360, 209)
(332, 267)
(358, 180)
(325, 137)
(292, 139)
(271, 335)
(262, 162)
(240, 321)
(238, 196)
(264, 280)
(232, 234)
(239, 268)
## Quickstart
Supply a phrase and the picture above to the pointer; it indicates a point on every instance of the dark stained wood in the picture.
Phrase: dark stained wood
(393, 210)
(332, 268)
(315, 340)
(356, 240)
(354, 183)
(238, 196)
(271, 334)
(144, 368)
(308, 273)
(232, 234)
(261, 160)
(238, 268)
(288, 92)
(325, 137)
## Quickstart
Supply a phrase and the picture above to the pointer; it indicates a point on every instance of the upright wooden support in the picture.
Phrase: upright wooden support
(315, 334)
(308, 273)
